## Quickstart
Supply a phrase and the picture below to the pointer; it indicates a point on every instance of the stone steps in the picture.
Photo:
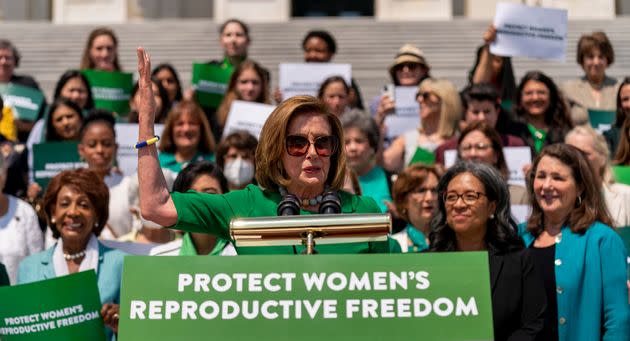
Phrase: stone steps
(47, 49)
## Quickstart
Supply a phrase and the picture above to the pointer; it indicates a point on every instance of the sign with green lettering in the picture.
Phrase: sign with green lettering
(210, 82)
(111, 89)
(431, 296)
(51, 158)
(26, 102)
(62, 308)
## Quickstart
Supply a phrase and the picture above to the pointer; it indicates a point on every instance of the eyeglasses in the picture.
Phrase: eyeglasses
(469, 198)
(325, 146)
(479, 146)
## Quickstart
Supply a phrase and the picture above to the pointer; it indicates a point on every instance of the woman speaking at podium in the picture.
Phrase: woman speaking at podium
(300, 169)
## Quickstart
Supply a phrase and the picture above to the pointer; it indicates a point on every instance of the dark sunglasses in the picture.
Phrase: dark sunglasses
(324, 145)
(426, 96)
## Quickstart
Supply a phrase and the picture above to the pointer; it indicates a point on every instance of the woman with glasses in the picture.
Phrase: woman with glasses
(473, 214)
(440, 110)
(415, 196)
(299, 161)
(582, 259)
(479, 142)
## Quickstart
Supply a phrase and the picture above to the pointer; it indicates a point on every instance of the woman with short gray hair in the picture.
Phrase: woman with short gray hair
(361, 141)
(616, 195)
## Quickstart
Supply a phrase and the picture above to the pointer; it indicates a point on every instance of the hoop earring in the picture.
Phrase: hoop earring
(579, 200)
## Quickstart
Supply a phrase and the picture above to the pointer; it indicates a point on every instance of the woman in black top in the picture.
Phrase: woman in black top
(473, 214)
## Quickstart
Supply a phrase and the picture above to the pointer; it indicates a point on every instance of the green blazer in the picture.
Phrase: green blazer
(212, 213)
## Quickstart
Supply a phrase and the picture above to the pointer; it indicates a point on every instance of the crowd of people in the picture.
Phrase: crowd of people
(561, 274)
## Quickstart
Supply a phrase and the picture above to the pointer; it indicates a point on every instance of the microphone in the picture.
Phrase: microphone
(290, 205)
(331, 204)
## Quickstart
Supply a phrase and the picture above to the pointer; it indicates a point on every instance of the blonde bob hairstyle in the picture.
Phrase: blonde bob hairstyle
(598, 143)
(270, 172)
(450, 107)
(206, 141)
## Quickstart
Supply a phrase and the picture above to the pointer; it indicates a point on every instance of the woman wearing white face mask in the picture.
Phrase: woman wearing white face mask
(236, 157)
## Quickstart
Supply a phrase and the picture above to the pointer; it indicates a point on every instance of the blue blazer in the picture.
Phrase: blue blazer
(39, 267)
(591, 284)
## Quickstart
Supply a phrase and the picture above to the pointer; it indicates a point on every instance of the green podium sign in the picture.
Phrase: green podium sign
(62, 308)
(443, 296)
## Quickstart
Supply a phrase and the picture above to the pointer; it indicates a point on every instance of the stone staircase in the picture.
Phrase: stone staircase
(47, 50)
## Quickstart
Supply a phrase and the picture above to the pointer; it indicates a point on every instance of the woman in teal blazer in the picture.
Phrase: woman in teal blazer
(581, 258)
(39, 267)
(77, 207)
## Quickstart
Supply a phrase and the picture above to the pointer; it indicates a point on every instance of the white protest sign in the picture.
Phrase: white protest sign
(406, 116)
(137, 249)
(450, 157)
(127, 137)
(516, 158)
(533, 32)
(248, 116)
(305, 78)
(521, 213)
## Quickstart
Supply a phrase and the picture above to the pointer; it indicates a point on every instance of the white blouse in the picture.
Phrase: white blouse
(20, 235)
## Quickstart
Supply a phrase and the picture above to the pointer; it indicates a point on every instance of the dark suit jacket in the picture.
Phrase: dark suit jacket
(554, 135)
(519, 301)
(4, 277)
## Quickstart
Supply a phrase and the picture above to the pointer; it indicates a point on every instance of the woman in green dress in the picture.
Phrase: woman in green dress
(298, 156)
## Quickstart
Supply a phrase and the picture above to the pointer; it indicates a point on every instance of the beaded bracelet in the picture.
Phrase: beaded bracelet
(142, 144)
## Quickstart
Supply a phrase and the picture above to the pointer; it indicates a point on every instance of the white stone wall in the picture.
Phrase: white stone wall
(392, 10)
(252, 10)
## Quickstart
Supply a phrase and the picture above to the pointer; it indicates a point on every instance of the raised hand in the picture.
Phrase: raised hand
(490, 35)
(146, 110)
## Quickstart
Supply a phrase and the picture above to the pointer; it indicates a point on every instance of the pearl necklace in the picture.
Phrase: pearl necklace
(73, 256)
(304, 202)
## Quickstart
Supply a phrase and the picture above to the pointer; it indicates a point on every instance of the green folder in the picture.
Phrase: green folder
(51, 158)
(422, 156)
(110, 90)
(622, 174)
(26, 102)
(604, 118)
(210, 82)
